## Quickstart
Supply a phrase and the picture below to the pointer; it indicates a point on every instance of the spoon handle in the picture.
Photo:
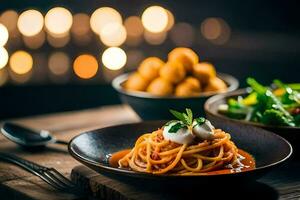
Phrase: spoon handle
(61, 142)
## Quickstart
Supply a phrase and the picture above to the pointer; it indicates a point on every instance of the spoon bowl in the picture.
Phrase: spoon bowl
(28, 138)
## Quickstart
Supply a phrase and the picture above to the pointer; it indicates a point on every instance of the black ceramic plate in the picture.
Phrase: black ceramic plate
(211, 109)
(151, 107)
(93, 149)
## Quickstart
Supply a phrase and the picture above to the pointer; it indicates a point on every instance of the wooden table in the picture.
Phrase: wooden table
(15, 183)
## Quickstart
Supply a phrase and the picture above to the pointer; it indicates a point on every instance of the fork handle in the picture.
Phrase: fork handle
(28, 165)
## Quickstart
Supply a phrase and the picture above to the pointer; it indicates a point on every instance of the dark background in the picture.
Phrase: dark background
(264, 43)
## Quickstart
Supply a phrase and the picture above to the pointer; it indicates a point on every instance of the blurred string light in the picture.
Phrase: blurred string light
(134, 58)
(58, 42)
(114, 58)
(155, 38)
(85, 66)
(80, 29)
(81, 24)
(59, 63)
(215, 30)
(9, 18)
(20, 78)
(134, 29)
(3, 76)
(36, 41)
(58, 21)
(30, 22)
(21, 62)
(183, 34)
(155, 19)
(113, 34)
(3, 57)
(171, 20)
(103, 16)
(3, 35)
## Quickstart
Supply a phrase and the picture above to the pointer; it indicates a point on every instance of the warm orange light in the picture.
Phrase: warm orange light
(59, 63)
(113, 34)
(155, 38)
(114, 58)
(104, 16)
(9, 18)
(3, 35)
(3, 76)
(58, 42)
(21, 62)
(81, 24)
(3, 57)
(30, 22)
(155, 19)
(134, 57)
(58, 21)
(134, 26)
(85, 66)
(171, 20)
(183, 34)
(36, 41)
(216, 30)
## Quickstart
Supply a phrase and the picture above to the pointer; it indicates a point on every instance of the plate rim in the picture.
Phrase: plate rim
(125, 172)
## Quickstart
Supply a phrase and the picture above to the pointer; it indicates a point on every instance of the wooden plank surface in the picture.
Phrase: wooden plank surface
(18, 184)
(15, 183)
(282, 183)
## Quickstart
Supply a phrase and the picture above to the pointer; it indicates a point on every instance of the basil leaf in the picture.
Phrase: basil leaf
(190, 115)
(178, 115)
(176, 127)
(200, 120)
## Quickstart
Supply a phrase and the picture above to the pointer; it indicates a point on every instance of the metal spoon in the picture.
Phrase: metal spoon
(27, 137)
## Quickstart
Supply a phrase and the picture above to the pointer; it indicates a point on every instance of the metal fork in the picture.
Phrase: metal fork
(49, 175)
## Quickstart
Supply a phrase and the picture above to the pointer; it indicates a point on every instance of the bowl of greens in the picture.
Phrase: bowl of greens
(275, 107)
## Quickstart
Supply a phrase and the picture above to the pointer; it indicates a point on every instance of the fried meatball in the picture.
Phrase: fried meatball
(185, 89)
(173, 72)
(149, 68)
(204, 71)
(160, 87)
(194, 83)
(136, 82)
(215, 85)
(187, 57)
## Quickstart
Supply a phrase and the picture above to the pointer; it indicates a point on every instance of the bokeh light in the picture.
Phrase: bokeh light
(216, 30)
(114, 58)
(3, 35)
(81, 24)
(20, 78)
(3, 76)
(58, 42)
(85, 66)
(58, 21)
(30, 22)
(134, 26)
(59, 63)
(183, 34)
(9, 18)
(21, 62)
(3, 57)
(155, 19)
(171, 20)
(35, 42)
(134, 57)
(155, 38)
(103, 16)
(113, 34)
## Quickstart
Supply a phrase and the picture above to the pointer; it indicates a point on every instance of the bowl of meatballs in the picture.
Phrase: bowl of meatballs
(180, 82)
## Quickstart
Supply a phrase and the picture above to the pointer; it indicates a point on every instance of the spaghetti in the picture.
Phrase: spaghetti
(154, 154)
